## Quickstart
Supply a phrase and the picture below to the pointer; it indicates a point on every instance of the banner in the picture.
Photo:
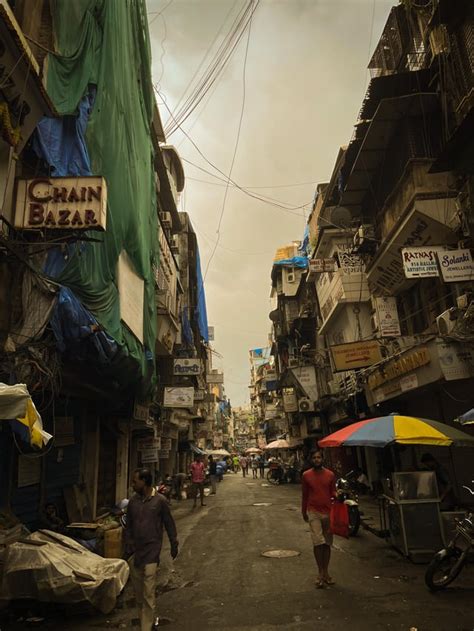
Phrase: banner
(355, 355)
(387, 317)
(421, 262)
(456, 266)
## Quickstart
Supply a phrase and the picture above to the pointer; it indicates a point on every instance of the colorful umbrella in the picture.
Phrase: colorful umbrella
(406, 430)
(253, 450)
(278, 444)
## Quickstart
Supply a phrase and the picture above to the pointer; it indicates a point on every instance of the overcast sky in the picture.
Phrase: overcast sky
(306, 77)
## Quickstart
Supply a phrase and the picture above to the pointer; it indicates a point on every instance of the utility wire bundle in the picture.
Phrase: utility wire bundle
(214, 69)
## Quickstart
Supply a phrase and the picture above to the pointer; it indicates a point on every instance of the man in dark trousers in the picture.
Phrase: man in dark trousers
(148, 513)
(319, 490)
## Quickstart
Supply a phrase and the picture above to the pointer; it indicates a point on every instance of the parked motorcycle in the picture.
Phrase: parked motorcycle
(276, 473)
(348, 495)
(448, 563)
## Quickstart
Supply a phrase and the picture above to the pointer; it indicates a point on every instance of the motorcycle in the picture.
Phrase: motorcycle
(348, 495)
(276, 473)
(447, 564)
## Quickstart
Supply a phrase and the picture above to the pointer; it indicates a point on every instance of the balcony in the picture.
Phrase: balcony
(337, 289)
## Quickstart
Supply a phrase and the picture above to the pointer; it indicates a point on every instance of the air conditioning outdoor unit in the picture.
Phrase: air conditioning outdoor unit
(447, 321)
(305, 405)
(165, 219)
(290, 277)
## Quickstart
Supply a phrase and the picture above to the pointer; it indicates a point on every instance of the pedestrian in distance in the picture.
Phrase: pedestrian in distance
(261, 465)
(198, 476)
(254, 466)
(213, 475)
(148, 513)
(318, 493)
(243, 465)
(235, 464)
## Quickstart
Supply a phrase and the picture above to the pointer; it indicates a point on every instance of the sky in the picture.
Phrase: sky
(305, 78)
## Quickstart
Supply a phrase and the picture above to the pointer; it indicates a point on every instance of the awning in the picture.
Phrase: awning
(196, 450)
(377, 138)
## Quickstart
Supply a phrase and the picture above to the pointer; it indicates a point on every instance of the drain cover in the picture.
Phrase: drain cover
(262, 504)
(280, 554)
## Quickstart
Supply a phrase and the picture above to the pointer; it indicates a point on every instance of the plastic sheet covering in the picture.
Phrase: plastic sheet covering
(296, 261)
(61, 571)
(201, 310)
(16, 403)
(38, 298)
(106, 44)
(72, 324)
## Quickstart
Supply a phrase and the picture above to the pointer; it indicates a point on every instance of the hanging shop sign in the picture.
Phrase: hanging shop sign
(456, 360)
(199, 394)
(29, 471)
(24, 99)
(306, 375)
(178, 397)
(149, 455)
(387, 317)
(187, 367)
(406, 363)
(149, 443)
(61, 203)
(355, 355)
(210, 333)
(456, 266)
(166, 443)
(163, 454)
(215, 377)
(421, 262)
(141, 412)
(319, 266)
(290, 400)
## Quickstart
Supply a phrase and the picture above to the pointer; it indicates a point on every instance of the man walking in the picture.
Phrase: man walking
(213, 475)
(147, 513)
(243, 465)
(319, 490)
(261, 465)
(197, 478)
(254, 465)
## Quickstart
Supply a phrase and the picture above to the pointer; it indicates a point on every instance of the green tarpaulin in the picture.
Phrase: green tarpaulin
(106, 43)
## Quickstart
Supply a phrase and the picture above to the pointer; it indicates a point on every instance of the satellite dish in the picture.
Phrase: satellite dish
(341, 216)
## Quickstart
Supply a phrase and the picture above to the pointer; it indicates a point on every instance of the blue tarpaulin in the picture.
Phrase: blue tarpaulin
(76, 330)
(305, 243)
(201, 311)
(296, 261)
(61, 141)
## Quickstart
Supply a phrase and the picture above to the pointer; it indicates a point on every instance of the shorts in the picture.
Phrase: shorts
(320, 529)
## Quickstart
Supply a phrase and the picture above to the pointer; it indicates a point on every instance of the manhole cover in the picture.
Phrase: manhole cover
(280, 554)
(262, 504)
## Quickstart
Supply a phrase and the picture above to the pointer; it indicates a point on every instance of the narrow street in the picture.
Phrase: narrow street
(221, 581)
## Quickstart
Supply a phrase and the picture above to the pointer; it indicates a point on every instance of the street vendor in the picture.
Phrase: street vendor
(445, 487)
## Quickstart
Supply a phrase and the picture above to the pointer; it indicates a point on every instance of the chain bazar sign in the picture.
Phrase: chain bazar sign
(355, 355)
(67, 203)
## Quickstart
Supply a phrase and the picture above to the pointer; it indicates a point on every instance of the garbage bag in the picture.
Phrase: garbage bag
(50, 567)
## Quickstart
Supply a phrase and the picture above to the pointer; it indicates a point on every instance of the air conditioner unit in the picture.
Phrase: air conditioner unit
(305, 405)
(165, 219)
(463, 301)
(447, 321)
(290, 277)
(293, 362)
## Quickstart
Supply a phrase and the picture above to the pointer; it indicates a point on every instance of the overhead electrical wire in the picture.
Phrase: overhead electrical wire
(254, 188)
(215, 67)
(237, 139)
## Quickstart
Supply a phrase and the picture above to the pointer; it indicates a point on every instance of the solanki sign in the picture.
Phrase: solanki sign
(67, 203)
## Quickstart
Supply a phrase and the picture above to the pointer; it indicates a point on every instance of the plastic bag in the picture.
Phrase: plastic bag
(339, 519)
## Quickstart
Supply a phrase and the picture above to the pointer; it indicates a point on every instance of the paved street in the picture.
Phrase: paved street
(220, 580)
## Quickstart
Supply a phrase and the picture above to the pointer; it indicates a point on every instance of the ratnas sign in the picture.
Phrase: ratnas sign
(67, 203)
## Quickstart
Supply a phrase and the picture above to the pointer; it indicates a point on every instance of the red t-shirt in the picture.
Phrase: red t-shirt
(319, 487)
(197, 472)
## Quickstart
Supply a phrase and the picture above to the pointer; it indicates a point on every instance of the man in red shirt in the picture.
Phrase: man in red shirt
(319, 490)
(197, 478)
